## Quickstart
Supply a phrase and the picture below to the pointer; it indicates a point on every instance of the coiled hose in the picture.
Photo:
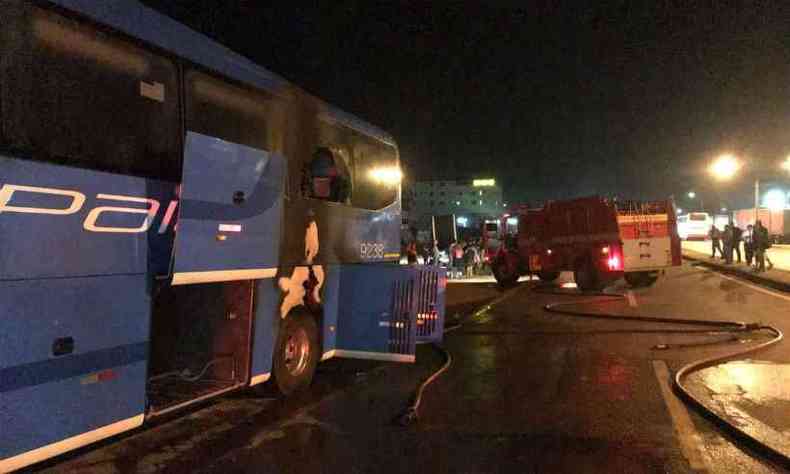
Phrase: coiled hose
(677, 381)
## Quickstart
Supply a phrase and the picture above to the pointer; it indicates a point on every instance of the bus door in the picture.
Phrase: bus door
(231, 201)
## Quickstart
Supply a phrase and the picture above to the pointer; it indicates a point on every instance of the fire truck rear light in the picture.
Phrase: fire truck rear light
(614, 262)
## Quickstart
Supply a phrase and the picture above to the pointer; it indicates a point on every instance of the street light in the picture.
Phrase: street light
(775, 199)
(692, 194)
(725, 167)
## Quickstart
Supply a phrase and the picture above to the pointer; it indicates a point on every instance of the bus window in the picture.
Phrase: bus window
(371, 156)
(233, 113)
(77, 96)
(325, 177)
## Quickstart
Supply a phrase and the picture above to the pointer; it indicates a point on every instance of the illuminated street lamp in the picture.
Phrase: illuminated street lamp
(692, 194)
(725, 167)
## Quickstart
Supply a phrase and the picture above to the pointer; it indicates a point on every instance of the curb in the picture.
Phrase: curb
(753, 277)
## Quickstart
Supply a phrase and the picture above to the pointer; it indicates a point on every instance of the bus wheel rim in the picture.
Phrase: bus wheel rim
(297, 352)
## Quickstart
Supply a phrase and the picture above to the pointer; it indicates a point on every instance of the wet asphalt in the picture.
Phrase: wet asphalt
(528, 391)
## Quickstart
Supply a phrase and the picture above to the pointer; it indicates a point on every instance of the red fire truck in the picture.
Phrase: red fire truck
(598, 240)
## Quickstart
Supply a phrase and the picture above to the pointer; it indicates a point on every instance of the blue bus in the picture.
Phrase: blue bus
(176, 222)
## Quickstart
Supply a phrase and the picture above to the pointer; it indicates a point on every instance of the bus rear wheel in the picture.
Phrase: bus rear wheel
(296, 353)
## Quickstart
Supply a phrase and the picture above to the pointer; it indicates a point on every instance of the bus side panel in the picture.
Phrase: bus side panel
(331, 303)
(376, 313)
(79, 371)
(265, 326)
(58, 221)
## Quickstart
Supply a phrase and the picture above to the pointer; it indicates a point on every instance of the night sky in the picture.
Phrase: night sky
(625, 98)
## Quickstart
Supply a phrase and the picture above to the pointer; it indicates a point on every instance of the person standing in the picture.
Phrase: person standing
(715, 241)
(726, 238)
(411, 253)
(766, 243)
(748, 244)
(436, 257)
(760, 246)
(469, 259)
(457, 256)
(737, 237)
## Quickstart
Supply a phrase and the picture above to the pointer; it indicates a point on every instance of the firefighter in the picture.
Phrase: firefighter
(761, 244)
(727, 238)
(748, 244)
(737, 237)
(715, 241)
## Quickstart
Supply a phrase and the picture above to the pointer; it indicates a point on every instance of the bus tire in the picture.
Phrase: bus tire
(296, 353)
(548, 276)
(641, 279)
(503, 273)
(586, 276)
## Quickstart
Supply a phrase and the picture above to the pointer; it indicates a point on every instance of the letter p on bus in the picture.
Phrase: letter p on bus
(8, 190)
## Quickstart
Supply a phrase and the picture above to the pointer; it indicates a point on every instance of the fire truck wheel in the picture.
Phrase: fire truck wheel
(640, 279)
(586, 277)
(504, 274)
(548, 276)
(296, 353)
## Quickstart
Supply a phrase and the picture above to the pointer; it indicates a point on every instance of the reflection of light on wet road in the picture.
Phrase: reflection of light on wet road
(754, 396)
(759, 382)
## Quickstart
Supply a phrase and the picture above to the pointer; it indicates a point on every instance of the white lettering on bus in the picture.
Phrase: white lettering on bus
(93, 216)
(78, 200)
(171, 209)
(8, 190)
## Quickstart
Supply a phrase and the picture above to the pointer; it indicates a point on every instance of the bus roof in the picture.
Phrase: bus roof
(135, 19)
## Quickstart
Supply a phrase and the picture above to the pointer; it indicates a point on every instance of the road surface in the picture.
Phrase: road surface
(528, 391)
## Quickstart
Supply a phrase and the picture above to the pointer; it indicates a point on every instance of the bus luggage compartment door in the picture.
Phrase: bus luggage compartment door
(377, 312)
(72, 363)
(230, 209)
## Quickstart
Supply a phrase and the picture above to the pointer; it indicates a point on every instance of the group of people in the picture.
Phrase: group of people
(466, 259)
(755, 243)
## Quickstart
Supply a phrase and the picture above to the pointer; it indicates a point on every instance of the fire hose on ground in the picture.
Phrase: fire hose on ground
(680, 376)
(411, 414)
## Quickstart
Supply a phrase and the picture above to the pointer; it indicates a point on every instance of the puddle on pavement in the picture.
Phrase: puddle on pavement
(754, 395)
(760, 382)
